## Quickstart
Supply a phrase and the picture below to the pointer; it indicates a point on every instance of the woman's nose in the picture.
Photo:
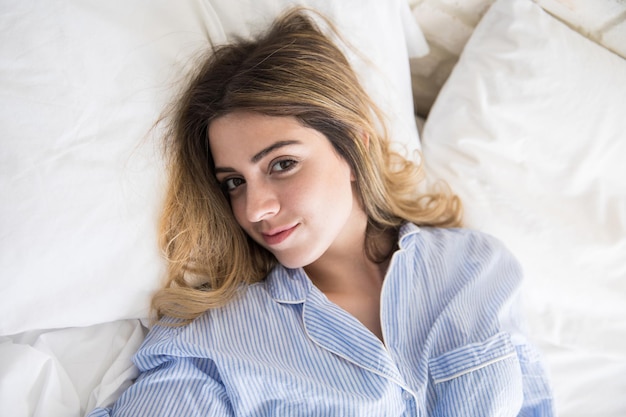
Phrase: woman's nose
(261, 202)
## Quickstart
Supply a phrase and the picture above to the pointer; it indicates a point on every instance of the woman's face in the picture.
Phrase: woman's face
(289, 189)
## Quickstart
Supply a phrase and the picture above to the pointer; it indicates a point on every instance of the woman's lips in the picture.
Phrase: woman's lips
(274, 238)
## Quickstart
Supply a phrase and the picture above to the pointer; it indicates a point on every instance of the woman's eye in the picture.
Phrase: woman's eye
(283, 165)
(230, 184)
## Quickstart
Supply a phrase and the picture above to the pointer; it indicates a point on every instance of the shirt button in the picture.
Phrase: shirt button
(407, 395)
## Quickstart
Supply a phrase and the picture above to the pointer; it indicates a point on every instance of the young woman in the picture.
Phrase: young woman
(307, 274)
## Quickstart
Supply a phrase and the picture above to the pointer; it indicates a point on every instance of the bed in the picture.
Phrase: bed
(528, 129)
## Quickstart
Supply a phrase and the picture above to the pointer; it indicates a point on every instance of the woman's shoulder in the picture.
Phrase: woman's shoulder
(206, 333)
(468, 280)
(458, 256)
(440, 239)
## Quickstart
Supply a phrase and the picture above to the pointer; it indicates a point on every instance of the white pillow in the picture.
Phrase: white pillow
(529, 130)
(80, 170)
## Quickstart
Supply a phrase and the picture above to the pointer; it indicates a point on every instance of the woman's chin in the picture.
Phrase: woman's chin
(293, 262)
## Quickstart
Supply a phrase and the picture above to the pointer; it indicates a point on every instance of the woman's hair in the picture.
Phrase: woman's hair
(294, 70)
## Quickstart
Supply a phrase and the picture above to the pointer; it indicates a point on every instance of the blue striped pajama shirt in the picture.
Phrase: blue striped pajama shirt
(451, 326)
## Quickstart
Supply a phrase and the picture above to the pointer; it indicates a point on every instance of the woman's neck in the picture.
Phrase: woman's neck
(353, 281)
(345, 274)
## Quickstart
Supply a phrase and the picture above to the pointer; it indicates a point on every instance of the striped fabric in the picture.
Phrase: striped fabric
(453, 345)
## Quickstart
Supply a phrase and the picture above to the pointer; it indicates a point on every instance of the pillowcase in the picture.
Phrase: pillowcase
(529, 131)
(81, 178)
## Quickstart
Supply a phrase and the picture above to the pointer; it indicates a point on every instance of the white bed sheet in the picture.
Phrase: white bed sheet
(65, 372)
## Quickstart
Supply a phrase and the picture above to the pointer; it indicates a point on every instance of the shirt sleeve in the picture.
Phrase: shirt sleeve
(538, 401)
(485, 364)
(537, 392)
(174, 386)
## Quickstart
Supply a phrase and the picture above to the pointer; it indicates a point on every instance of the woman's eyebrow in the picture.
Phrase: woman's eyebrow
(258, 156)
(274, 146)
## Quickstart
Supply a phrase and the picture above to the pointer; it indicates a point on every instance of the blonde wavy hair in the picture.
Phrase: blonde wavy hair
(294, 70)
